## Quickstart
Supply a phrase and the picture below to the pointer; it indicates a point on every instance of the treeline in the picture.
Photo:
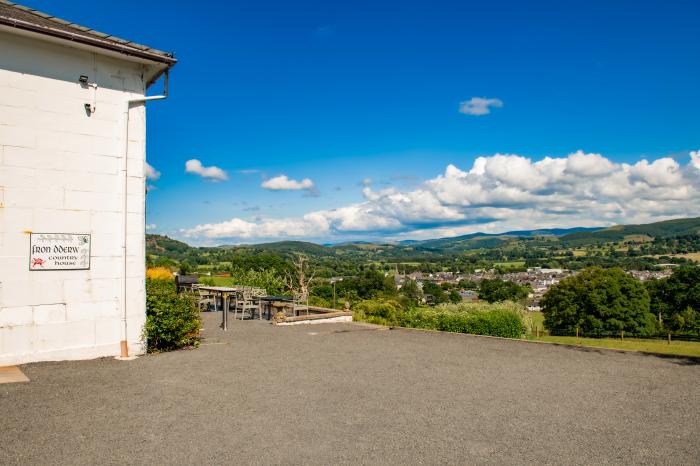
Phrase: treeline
(510, 255)
(609, 302)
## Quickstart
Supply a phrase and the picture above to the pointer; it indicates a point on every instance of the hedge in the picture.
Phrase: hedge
(502, 319)
(497, 323)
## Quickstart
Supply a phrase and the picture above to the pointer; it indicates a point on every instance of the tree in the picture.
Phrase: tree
(498, 290)
(185, 268)
(297, 281)
(455, 297)
(434, 293)
(685, 321)
(676, 299)
(412, 291)
(369, 285)
(598, 301)
(467, 285)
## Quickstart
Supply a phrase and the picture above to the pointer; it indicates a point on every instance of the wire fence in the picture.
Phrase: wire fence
(581, 333)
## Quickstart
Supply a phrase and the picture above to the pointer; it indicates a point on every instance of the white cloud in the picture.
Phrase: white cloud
(150, 226)
(582, 164)
(308, 225)
(695, 159)
(212, 173)
(284, 183)
(497, 193)
(150, 172)
(479, 106)
(661, 172)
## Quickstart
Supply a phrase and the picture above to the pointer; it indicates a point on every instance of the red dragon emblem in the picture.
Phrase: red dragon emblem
(37, 262)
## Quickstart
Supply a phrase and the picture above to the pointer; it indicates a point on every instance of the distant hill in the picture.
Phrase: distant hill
(678, 227)
(164, 246)
(490, 240)
(160, 245)
(303, 247)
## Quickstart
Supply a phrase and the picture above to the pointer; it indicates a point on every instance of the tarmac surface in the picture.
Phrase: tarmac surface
(354, 394)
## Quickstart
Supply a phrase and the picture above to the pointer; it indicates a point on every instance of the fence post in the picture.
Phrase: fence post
(622, 335)
(537, 329)
(669, 338)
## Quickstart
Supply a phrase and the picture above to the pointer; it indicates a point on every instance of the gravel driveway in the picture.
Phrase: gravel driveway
(353, 394)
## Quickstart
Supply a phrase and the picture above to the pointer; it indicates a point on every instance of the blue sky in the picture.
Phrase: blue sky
(341, 92)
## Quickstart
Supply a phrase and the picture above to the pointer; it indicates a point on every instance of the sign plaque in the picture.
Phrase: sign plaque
(59, 251)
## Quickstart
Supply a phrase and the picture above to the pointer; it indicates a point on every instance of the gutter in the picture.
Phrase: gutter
(89, 40)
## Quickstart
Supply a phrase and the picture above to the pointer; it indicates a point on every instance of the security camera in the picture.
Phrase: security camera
(88, 108)
(83, 79)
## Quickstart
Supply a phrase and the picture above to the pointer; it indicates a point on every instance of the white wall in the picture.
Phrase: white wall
(61, 171)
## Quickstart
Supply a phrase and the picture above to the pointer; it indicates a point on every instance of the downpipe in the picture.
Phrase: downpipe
(124, 352)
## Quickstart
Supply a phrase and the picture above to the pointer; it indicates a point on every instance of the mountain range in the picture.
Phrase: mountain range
(568, 237)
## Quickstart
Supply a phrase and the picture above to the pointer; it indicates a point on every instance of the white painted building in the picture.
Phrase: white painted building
(71, 185)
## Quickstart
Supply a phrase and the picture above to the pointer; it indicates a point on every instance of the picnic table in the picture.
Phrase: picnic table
(224, 292)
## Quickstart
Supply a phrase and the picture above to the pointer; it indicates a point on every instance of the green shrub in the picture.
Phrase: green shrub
(172, 319)
(378, 311)
(319, 302)
(422, 317)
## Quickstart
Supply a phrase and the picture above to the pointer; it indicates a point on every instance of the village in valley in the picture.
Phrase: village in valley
(537, 279)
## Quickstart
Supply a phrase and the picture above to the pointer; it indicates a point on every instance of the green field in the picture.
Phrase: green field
(683, 348)
(509, 264)
(680, 348)
(537, 319)
(222, 281)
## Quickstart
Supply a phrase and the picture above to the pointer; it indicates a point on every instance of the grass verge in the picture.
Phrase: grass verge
(679, 348)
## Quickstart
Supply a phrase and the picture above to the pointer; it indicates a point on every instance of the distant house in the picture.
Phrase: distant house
(72, 188)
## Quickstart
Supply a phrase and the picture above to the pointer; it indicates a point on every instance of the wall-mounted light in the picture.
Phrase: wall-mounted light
(89, 107)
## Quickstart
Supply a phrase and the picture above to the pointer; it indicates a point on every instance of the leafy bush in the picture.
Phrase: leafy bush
(172, 319)
(319, 302)
(379, 311)
(159, 273)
